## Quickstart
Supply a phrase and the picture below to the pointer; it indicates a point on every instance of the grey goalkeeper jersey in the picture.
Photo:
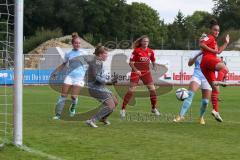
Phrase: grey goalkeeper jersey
(95, 75)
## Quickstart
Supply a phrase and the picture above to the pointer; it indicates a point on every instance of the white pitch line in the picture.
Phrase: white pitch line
(232, 122)
(40, 153)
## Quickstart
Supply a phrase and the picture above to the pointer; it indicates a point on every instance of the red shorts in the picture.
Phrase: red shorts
(146, 77)
(208, 67)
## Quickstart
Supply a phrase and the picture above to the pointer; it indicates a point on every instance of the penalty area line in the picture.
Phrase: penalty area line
(39, 153)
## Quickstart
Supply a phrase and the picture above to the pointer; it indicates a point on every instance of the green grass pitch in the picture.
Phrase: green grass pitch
(128, 139)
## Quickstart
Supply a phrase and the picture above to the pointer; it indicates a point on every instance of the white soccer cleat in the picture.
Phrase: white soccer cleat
(56, 117)
(72, 114)
(123, 113)
(156, 112)
(91, 124)
(72, 111)
(217, 116)
(220, 83)
(105, 121)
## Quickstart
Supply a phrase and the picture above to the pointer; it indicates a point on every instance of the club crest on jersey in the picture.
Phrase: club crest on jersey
(149, 54)
(205, 38)
(144, 59)
(98, 62)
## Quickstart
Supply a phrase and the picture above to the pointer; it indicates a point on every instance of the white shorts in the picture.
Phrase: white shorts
(73, 81)
(203, 83)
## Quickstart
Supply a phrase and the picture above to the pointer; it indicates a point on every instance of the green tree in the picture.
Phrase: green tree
(67, 15)
(228, 13)
(106, 19)
(197, 23)
(184, 32)
(141, 20)
(37, 14)
(177, 32)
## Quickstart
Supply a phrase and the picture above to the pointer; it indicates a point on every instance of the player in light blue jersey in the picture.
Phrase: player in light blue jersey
(74, 77)
(198, 80)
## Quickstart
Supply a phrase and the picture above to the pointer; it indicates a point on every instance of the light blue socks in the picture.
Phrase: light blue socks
(187, 103)
(203, 107)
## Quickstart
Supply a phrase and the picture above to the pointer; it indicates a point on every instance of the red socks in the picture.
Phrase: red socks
(153, 98)
(221, 74)
(129, 94)
(126, 99)
(214, 99)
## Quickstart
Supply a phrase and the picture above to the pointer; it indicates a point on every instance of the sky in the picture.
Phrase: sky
(168, 9)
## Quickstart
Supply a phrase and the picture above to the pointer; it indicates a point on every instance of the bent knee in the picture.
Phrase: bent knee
(74, 97)
(132, 88)
(116, 102)
(64, 95)
(205, 102)
(151, 87)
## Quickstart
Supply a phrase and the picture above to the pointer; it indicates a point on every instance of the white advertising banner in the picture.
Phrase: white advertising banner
(176, 62)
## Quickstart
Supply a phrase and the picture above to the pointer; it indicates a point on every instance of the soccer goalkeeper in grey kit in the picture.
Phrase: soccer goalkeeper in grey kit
(96, 86)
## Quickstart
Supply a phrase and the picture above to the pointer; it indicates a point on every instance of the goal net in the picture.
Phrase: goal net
(6, 72)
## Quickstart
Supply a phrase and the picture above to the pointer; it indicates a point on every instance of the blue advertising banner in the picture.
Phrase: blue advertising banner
(30, 76)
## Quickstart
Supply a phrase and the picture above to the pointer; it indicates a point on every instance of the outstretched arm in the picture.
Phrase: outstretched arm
(192, 60)
(58, 69)
(224, 46)
(103, 79)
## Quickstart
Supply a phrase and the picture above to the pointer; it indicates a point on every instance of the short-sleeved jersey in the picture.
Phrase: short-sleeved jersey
(77, 65)
(197, 70)
(211, 42)
(142, 58)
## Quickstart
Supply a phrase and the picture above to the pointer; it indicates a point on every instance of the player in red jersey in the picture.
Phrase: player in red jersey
(211, 64)
(139, 62)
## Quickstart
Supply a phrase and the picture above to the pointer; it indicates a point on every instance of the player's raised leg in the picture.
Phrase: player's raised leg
(193, 87)
(222, 71)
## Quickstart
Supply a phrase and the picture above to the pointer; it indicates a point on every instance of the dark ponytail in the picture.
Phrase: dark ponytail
(213, 22)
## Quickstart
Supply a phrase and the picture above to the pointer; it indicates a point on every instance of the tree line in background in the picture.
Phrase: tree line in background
(115, 20)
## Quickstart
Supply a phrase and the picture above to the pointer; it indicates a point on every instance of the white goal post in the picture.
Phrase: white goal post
(18, 73)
